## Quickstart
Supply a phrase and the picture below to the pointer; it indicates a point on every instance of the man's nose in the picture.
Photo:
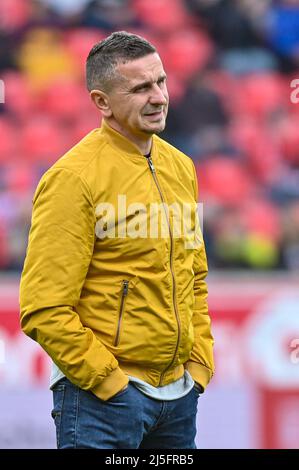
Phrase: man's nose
(158, 96)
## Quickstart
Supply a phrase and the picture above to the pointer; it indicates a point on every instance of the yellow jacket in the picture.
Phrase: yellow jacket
(104, 307)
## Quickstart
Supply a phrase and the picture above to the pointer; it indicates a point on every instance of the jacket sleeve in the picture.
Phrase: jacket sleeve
(60, 247)
(201, 362)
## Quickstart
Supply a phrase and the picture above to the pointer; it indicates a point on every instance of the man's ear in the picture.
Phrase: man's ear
(101, 100)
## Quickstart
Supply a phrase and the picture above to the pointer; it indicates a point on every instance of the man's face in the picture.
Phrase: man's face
(139, 100)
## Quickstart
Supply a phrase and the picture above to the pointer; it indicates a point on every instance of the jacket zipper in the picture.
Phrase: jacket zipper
(124, 294)
(153, 171)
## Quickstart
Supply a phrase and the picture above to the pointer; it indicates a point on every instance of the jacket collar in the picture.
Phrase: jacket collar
(118, 140)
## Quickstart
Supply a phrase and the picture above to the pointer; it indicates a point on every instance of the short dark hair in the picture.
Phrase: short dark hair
(103, 58)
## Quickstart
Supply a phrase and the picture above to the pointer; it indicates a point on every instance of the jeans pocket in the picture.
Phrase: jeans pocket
(197, 391)
(58, 399)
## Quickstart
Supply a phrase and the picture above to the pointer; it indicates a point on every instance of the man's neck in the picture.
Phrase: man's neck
(144, 145)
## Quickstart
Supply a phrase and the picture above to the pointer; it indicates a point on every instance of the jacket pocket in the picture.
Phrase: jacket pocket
(124, 293)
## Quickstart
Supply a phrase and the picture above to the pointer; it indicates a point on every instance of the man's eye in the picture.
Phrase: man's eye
(161, 82)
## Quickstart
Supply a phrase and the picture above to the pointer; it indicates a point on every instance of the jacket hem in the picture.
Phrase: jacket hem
(111, 385)
(153, 376)
(200, 373)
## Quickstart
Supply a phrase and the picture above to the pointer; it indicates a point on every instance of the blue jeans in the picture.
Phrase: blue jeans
(129, 420)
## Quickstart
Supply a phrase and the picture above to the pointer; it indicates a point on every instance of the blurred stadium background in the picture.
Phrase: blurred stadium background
(231, 66)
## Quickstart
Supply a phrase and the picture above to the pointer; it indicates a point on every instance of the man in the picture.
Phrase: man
(111, 289)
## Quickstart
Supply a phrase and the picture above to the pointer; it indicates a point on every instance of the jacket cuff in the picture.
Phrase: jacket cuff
(199, 373)
(111, 385)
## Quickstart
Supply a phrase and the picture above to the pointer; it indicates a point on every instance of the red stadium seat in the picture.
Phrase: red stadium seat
(84, 124)
(79, 41)
(258, 145)
(224, 181)
(64, 99)
(19, 179)
(261, 217)
(14, 14)
(4, 256)
(43, 140)
(258, 95)
(162, 15)
(8, 141)
(288, 138)
(19, 97)
(187, 52)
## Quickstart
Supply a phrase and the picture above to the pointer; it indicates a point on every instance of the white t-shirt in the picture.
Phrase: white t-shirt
(177, 389)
